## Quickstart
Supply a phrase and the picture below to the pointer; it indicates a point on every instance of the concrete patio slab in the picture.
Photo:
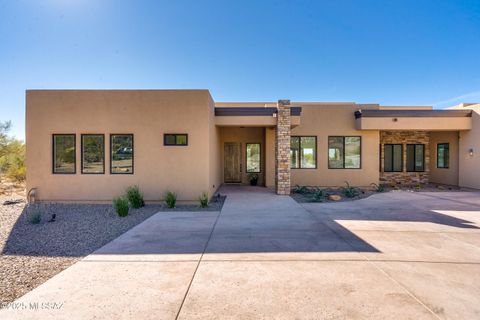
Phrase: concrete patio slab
(451, 290)
(297, 290)
(109, 290)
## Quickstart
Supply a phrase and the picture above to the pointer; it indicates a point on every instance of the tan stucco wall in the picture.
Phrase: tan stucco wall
(147, 114)
(412, 123)
(443, 175)
(215, 173)
(244, 135)
(336, 120)
(469, 166)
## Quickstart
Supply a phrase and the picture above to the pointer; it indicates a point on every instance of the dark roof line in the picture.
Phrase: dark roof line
(412, 113)
(257, 111)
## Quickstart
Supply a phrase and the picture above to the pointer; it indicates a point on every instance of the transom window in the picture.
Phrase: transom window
(415, 157)
(344, 152)
(253, 157)
(303, 152)
(175, 139)
(393, 158)
(93, 153)
(121, 157)
(64, 154)
(443, 155)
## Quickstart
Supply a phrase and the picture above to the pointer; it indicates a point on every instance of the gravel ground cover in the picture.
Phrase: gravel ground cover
(33, 253)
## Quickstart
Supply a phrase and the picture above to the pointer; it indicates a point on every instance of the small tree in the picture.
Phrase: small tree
(12, 154)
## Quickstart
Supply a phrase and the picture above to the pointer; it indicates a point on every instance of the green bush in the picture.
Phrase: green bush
(135, 197)
(378, 187)
(318, 195)
(301, 189)
(170, 199)
(350, 192)
(120, 204)
(203, 199)
(34, 216)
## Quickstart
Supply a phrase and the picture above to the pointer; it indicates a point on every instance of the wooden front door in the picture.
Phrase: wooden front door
(232, 171)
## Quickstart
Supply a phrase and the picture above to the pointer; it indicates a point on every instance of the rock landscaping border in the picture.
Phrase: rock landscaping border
(338, 195)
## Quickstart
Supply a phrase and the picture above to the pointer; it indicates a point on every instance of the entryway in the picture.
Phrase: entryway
(232, 169)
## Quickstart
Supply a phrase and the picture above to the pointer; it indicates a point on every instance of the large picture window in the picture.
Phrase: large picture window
(393, 158)
(253, 157)
(303, 152)
(443, 155)
(344, 152)
(121, 157)
(64, 154)
(415, 157)
(93, 153)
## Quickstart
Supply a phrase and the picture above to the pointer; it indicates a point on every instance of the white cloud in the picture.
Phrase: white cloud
(468, 97)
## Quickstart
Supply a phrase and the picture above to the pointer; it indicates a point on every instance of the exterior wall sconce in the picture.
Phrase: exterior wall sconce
(470, 152)
(395, 119)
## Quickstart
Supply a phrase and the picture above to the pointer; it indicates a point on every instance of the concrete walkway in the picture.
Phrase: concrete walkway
(392, 256)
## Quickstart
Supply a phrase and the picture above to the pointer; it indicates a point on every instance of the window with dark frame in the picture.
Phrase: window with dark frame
(93, 153)
(64, 154)
(393, 158)
(303, 152)
(253, 157)
(415, 157)
(344, 152)
(443, 155)
(121, 153)
(175, 139)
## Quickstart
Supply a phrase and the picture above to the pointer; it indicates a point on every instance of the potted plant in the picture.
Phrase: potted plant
(253, 177)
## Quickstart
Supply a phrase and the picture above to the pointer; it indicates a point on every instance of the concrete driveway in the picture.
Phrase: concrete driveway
(391, 256)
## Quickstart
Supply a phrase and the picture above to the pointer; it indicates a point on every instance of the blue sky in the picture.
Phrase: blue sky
(389, 52)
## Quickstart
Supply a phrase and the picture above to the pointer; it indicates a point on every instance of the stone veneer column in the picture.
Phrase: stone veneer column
(282, 148)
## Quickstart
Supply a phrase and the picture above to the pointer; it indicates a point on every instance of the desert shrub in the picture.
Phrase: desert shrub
(120, 204)
(349, 191)
(170, 199)
(378, 187)
(34, 216)
(203, 199)
(318, 195)
(135, 197)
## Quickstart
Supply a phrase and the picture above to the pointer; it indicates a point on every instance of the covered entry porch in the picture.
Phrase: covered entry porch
(255, 142)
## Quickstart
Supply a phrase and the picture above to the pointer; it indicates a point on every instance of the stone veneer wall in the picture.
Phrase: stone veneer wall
(282, 148)
(405, 137)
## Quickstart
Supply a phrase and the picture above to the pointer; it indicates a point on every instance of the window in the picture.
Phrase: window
(415, 157)
(303, 152)
(121, 158)
(344, 152)
(393, 158)
(253, 157)
(175, 139)
(64, 153)
(93, 153)
(443, 156)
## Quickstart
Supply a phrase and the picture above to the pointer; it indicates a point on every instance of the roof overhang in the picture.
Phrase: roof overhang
(425, 120)
(253, 116)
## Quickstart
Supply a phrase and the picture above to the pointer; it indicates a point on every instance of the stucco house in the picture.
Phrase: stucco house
(89, 145)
